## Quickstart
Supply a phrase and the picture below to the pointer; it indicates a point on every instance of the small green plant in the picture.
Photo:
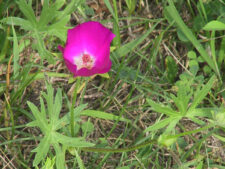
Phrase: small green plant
(52, 22)
(186, 102)
(50, 124)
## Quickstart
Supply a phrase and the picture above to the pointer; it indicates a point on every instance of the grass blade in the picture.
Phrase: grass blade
(199, 96)
(103, 115)
(171, 10)
(125, 49)
(16, 65)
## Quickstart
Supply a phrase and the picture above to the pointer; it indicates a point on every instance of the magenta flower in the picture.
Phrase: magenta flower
(87, 49)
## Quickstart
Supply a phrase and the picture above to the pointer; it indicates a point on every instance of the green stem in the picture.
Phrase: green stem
(192, 131)
(119, 150)
(72, 107)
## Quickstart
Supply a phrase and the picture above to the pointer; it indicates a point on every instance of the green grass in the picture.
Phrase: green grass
(160, 106)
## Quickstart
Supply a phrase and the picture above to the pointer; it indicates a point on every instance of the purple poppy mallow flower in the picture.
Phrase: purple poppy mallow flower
(87, 49)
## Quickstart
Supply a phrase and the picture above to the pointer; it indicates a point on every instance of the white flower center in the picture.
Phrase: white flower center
(85, 60)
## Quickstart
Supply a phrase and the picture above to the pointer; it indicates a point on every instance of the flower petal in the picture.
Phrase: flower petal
(92, 38)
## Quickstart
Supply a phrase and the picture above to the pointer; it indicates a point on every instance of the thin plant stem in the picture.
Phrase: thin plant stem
(72, 106)
(119, 150)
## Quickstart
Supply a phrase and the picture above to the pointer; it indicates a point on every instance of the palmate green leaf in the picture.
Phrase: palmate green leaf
(70, 141)
(162, 109)
(125, 49)
(200, 95)
(214, 26)
(28, 11)
(41, 150)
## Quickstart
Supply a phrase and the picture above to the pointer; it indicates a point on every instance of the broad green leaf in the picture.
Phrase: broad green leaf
(41, 150)
(191, 55)
(162, 109)
(214, 26)
(102, 115)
